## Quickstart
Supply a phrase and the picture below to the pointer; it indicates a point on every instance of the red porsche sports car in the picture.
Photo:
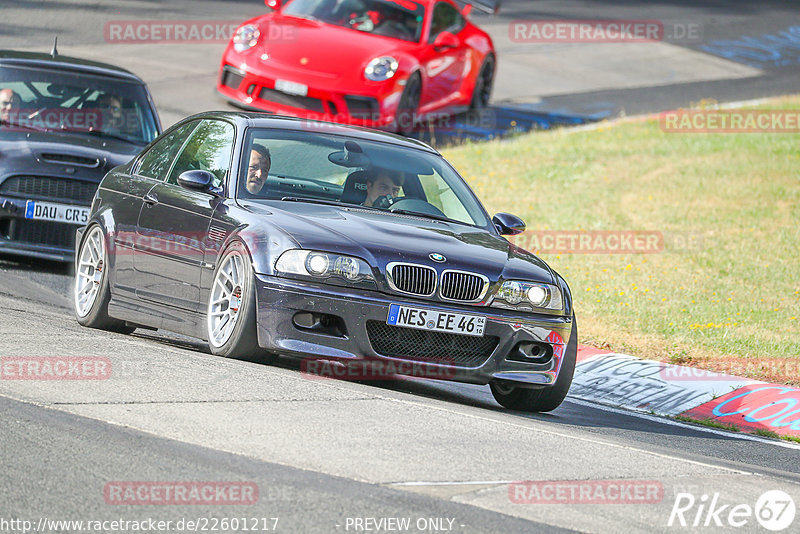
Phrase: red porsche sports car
(376, 63)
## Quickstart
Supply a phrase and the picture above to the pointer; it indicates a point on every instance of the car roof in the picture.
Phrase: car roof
(47, 61)
(266, 120)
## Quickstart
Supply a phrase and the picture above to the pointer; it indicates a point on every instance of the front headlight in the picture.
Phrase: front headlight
(325, 267)
(246, 37)
(517, 294)
(381, 68)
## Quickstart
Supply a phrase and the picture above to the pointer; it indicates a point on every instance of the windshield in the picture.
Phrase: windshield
(400, 19)
(316, 167)
(55, 100)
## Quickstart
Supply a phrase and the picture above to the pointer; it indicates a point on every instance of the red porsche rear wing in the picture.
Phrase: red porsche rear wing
(487, 6)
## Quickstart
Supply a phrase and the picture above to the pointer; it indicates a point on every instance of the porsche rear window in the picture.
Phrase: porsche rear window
(399, 19)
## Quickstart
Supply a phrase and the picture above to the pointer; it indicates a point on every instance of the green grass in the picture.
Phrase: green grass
(731, 297)
(708, 422)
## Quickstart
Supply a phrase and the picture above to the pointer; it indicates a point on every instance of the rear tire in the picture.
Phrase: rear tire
(543, 399)
(231, 313)
(482, 92)
(91, 293)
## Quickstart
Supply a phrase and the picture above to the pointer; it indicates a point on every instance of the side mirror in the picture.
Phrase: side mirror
(198, 180)
(273, 4)
(444, 41)
(508, 224)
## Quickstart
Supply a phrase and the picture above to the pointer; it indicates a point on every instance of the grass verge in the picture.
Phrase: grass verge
(724, 293)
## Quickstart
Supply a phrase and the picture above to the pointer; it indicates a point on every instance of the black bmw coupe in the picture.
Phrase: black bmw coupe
(64, 123)
(266, 235)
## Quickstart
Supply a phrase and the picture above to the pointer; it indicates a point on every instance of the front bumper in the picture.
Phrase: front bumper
(372, 105)
(46, 240)
(280, 300)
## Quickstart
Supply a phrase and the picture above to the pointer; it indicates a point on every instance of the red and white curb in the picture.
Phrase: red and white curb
(664, 389)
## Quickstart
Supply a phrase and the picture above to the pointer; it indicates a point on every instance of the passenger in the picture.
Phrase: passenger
(382, 183)
(257, 169)
(8, 100)
(111, 107)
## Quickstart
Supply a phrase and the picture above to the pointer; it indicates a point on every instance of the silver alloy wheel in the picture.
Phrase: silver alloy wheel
(89, 271)
(224, 306)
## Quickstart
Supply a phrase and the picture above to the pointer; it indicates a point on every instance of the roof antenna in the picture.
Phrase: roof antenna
(54, 51)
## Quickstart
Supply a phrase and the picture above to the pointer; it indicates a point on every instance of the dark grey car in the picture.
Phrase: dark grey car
(64, 123)
(266, 235)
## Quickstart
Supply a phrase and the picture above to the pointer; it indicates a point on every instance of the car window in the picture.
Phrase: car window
(157, 160)
(357, 172)
(399, 19)
(208, 149)
(79, 103)
(445, 18)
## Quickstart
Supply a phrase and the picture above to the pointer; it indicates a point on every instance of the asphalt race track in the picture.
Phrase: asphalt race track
(335, 456)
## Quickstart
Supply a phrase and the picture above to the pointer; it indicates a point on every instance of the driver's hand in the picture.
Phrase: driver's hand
(383, 202)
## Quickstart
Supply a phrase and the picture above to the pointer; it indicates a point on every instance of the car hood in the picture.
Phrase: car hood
(60, 154)
(382, 238)
(312, 47)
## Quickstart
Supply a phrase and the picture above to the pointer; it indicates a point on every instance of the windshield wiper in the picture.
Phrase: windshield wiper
(101, 133)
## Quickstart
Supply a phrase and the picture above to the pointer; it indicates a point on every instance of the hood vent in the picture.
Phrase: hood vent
(69, 159)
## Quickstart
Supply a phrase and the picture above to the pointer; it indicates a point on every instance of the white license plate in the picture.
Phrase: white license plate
(438, 321)
(48, 211)
(291, 88)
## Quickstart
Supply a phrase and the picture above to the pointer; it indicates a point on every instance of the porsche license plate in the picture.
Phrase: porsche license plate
(291, 88)
(438, 321)
(48, 211)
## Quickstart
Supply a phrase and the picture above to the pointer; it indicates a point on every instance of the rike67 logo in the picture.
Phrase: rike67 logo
(774, 510)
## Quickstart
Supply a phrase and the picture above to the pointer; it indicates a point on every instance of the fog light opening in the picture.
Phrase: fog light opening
(531, 352)
(320, 323)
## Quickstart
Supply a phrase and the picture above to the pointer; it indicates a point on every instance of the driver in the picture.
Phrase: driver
(257, 168)
(383, 183)
(8, 101)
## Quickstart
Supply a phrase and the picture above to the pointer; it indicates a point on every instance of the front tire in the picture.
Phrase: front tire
(542, 399)
(408, 109)
(231, 312)
(91, 293)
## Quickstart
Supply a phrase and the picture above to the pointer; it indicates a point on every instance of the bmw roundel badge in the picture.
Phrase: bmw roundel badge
(438, 258)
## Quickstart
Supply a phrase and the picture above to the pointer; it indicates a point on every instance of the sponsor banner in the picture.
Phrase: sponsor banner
(755, 407)
(645, 385)
(139, 493)
(730, 121)
(54, 368)
(586, 492)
